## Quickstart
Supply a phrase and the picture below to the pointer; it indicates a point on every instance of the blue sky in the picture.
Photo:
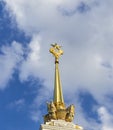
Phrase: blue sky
(84, 29)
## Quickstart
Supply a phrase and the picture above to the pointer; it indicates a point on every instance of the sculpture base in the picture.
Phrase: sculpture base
(59, 125)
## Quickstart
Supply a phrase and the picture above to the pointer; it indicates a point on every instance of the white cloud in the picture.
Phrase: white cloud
(37, 111)
(106, 119)
(87, 39)
(10, 57)
(86, 122)
(19, 102)
(30, 64)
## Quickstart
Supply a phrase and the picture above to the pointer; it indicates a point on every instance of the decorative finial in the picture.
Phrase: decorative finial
(56, 51)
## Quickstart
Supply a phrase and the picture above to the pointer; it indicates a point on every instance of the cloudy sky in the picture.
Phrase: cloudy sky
(84, 28)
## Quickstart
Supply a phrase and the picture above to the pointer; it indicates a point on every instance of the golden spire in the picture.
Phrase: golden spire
(56, 108)
(58, 95)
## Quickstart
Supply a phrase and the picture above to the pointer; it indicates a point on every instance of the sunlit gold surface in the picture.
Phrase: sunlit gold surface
(58, 96)
(56, 51)
(56, 108)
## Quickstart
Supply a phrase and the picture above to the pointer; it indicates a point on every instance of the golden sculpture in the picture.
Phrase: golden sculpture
(56, 51)
(70, 113)
(57, 109)
(51, 112)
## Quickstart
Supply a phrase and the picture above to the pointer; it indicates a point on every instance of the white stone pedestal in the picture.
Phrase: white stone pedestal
(60, 125)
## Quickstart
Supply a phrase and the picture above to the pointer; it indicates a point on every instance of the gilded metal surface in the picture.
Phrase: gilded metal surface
(58, 95)
(70, 113)
(57, 109)
(56, 51)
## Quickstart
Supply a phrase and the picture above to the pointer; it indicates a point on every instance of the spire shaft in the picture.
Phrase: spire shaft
(58, 95)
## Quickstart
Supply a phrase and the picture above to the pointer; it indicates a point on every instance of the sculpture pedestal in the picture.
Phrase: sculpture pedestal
(60, 125)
